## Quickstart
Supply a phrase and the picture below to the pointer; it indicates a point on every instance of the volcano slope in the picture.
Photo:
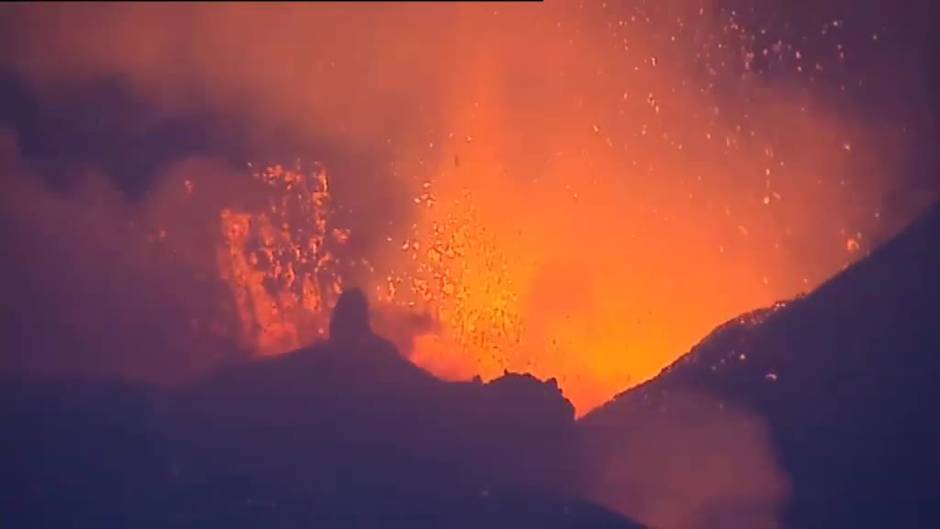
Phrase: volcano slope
(336, 435)
(818, 412)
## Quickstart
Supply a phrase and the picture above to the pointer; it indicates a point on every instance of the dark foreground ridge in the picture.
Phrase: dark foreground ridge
(846, 378)
(346, 433)
(814, 413)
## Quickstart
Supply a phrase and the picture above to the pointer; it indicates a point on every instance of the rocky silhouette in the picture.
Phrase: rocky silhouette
(345, 433)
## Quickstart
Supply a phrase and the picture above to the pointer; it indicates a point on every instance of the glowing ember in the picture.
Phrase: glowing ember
(586, 189)
(458, 275)
(278, 260)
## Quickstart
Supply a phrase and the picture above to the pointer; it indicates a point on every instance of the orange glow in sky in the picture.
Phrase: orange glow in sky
(577, 190)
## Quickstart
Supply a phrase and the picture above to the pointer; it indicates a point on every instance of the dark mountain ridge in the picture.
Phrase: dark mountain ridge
(346, 433)
(817, 412)
(846, 380)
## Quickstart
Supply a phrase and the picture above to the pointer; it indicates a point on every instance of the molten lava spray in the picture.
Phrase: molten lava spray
(610, 186)
(278, 262)
(579, 191)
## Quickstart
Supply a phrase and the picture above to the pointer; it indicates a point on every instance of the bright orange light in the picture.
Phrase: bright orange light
(591, 187)
(278, 260)
(590, 198)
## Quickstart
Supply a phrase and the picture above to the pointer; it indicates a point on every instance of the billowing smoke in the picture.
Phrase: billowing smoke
(694, 463)
(94, 289)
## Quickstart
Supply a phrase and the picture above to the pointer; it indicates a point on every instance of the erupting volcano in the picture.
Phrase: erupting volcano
(587, 216)
(545, 216)
(547, 206)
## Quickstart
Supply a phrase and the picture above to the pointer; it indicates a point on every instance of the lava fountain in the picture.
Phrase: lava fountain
(590, 188)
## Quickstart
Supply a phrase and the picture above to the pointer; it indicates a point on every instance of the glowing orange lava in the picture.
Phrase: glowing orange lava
(458, 275)
(278, 260)
(594, 190)
(580, 190)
